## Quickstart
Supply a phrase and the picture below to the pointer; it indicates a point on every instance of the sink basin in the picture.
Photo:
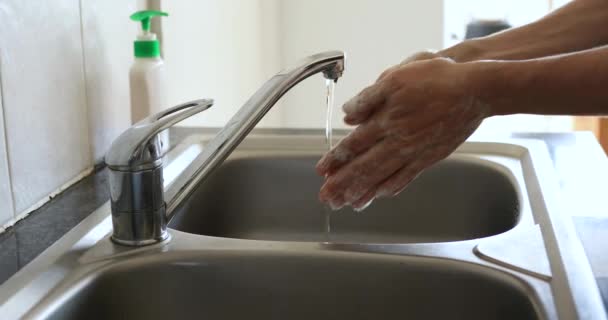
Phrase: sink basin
(401, 258)
(274, 197)
(274, 285)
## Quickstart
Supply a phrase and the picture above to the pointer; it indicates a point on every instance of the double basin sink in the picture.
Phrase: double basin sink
(477, 236)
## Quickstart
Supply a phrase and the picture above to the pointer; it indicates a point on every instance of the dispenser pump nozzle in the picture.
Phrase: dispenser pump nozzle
(147, 45)
(145, 16)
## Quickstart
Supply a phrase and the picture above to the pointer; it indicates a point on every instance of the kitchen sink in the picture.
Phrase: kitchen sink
(479, 235)
(228, 226)
(263, 285)
(274, 197)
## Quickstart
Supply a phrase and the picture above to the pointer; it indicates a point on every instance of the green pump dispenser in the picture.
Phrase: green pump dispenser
(146, 45)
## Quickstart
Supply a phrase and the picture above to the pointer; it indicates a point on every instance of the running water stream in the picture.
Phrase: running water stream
(330, 85)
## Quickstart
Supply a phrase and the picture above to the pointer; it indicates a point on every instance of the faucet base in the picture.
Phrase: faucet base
(165, 237)
(139, 228)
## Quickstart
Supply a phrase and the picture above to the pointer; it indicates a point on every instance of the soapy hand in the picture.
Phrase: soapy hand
(416, 114)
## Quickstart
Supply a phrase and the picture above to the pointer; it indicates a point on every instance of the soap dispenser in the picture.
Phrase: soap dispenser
(147, 74)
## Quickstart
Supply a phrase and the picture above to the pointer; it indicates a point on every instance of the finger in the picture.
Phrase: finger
(365, 201)
(424, 55)
(414, 128)
(359, 118)
(399, 181)
(354, 179)
(336, 204)
(411, 119)
(408, 173)
(388, 71)
(360, 107)
(358, 141)
(408, 149)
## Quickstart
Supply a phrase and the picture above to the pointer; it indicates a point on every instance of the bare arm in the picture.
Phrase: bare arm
(419, 112)
(579, 25)
(568, 84)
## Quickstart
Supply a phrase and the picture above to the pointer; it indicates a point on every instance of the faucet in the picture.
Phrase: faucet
(141, 208)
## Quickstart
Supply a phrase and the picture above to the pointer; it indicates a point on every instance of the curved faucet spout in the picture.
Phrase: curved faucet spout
(330, 63)
(141, 208)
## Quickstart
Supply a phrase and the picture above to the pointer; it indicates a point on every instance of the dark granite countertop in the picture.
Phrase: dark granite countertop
(580, 162)
(24, 241)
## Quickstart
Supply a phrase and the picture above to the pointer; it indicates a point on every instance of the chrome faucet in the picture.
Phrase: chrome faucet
(141, 208)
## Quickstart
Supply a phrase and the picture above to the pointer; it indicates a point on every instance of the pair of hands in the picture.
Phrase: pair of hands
(416, 114)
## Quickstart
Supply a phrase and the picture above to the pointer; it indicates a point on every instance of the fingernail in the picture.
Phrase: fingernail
(321, 169)
(383, 193)
(352, 196)
(323, 197)
(323, 194)
(350, 119)
(341, 154)
(326, 194)
(322, 166)
(351, 105)
(364, 206)
(335, 205)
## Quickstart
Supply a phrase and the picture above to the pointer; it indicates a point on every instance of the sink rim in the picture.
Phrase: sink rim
(496, 164)
(89, 273)
(572, 284)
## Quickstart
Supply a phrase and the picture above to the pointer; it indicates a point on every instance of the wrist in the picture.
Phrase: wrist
(465, 51)
(486, 83)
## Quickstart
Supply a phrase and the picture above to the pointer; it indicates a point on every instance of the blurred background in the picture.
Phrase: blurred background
(64, 65)
(245, 42)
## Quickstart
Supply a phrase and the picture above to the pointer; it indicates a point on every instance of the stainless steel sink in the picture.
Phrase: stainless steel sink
(478, 236)
(274, 197)
(306, 285)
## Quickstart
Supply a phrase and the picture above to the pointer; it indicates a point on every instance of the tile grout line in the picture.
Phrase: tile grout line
(8, 166)
(5, 138)
(17, 216)
(86, 86)
(25, 213)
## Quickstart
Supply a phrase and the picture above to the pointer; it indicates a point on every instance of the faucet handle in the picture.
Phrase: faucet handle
(139, 147)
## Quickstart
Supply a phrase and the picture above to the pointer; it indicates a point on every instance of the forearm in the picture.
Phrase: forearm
(580, 25)
(569, 84)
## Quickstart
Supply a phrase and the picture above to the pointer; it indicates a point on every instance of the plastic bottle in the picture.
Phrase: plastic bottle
(147, 74)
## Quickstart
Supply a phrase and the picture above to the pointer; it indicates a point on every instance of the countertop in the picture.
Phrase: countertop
(582, 169)
(580, 163)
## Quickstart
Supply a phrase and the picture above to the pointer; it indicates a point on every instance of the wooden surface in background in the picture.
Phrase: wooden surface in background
(597, 125)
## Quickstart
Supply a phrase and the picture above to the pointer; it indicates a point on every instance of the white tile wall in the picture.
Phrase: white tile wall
(6, 200)
(43, 96)
(220, 49)
(108, 36)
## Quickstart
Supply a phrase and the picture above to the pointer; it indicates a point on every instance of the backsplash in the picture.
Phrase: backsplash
(64, 85)
(64, 72)
(64, 66)
(6, 199)
(108, 35)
